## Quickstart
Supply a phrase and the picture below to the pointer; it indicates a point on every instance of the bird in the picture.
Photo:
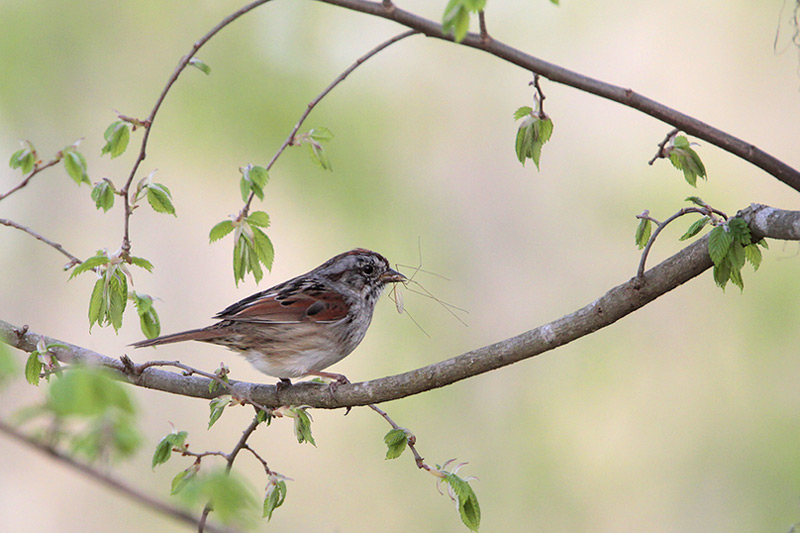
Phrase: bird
(304, 325)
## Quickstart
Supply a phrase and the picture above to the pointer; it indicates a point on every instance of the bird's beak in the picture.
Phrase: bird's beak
(393, 276)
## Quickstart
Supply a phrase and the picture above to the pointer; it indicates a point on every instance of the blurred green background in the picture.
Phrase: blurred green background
(682, 417)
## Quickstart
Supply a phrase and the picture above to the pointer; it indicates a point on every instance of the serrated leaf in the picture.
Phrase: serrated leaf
(258, 179)
(753, 255)
(160, 199)
(719, 241)
(217, 407)
(276, 494)
(263, 248)
(763, 244)
(141, 263)
(259, 218)
(24, 158)
(264, 416)
(302, 426)
(722, 274)
(117, 136)
(33, 367)
(88, 391)
(150, 323)
(736, 278)
(396, 441)
(97, 308)
(200, 65)
(117, 295)
(456, 20)
(162, 453)
(241, 258)
(468, 506)
(254, 265)
(220, 230)
(319, 156)
(740, 231)
(736, 255)
(92, 262)
(544, 128)
(523, 112)
(695, 228)
(643, 231)
(103, 196)
(75, 164)
(233, 500)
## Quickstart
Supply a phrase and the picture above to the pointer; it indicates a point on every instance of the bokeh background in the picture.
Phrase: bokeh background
(682, 417)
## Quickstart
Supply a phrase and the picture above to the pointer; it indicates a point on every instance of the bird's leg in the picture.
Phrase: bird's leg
(336, 380)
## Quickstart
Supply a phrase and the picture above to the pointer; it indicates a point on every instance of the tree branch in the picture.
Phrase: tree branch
(105, 479)
(72, 259)
(618, 302)
(627, 97)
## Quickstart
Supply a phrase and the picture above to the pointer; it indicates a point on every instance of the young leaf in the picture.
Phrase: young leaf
(117, 136)
(165, 446)
(103, 196)
(97, 303)
(455, 20)
(96, 260)
(753, 255)
(522, 112)
(740, 231)
(468, 506)
(276, 494)
(24, 158)
(233, 500)
(75, 164)
(117, 285)
(88, 391)
(696, 200)
(182, 479)
(160, 199)
(321, 134)
(33, 367)
(148, 317)
(200, 65)
(241, 258)
(396, 441)
(259, 218)
(722, 273)
(719, 241)
(141, 263)
(318, 155)
(302, 425)
(695, 228)
(217, 406)
(263, 248)
(220, 230)
(643, 231)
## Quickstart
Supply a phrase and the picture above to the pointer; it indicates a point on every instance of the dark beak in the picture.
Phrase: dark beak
(392, 276)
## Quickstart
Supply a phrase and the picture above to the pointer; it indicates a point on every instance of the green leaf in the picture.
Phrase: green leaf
(97, 301)
(696, 200)
(220, 230)
(241, 258)
(753, 255)
(763, 244)
(544, 130)
(24, 158)
(8, 365)
(302, 425)
(95, 261)
(554, 2)
(455, 20)
(200, 65)
(88, 391)
(233, 500)
(321, 134)
(396, 441)
(736, 278)
(522, 112)
(695, 228)
(263, 248)
(684, 158)
(719, 241)
(276, 494)
(740, 230)
(103, 196)
(182, 479)
(117, 285)
(264, 416)
(117, 136)
(254, 178)
(318, 155)
(148, 317)
(722, 274)
(141, 263)
(736, 255)
(259, 218)
(468, 506)
(217, 407)
(33, 367)
(160, 199)
(75, 164)
(643, 231)
(163, 452)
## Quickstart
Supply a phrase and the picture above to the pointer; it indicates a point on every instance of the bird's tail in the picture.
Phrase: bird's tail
(203, 334)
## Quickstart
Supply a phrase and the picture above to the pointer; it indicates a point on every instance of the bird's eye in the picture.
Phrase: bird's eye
(368, 269)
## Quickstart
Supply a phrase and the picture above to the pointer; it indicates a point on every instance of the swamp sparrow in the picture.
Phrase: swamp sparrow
(303, 325)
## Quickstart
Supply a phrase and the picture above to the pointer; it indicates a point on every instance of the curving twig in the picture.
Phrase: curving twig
(38, 168)
(72, 259)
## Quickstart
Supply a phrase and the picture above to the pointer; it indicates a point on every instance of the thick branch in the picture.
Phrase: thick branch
(615, 304)
(104, 478)
(628, 97)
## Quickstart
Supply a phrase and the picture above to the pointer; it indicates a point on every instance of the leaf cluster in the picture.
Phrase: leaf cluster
(730, 246)
(533, 132)
(455, 20)
(685, 158)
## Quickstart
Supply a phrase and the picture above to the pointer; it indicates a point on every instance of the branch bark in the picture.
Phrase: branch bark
(618, 302)
(624, 96)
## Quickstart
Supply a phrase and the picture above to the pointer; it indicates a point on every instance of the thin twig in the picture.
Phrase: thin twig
(540, 98)
(148, 123)
(24, 182)
(313, 103)
(482, 24)
(662, 153)
(72, 259)
(411, 440)
(104, 478)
